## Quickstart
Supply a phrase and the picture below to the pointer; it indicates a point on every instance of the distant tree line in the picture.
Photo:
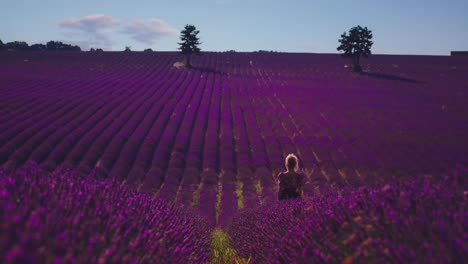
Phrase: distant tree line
(459, 53)
(354, 44)
(267, 51)
(49, 46)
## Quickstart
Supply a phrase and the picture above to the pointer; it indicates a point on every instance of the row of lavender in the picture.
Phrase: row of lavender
(118, 136)
(213, 136)
(64, 217)
(379, 125)
(357, 130)
(63, 106)
(417, 220)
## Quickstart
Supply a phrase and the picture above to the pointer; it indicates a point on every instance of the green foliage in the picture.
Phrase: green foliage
(259, 189)
(17, 45)
(51, 45)
(189, 42)
(128, 49)
(196, 196)
(356, 43)
(223, 253)
(239, 195)
(148, 50)
(219, 193)
(57, 45)
(38, 47)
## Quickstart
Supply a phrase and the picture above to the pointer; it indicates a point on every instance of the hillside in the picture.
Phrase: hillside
(214, 136)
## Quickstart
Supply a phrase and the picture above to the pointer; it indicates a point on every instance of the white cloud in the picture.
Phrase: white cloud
(97, 30)
(96, 27)
(89, 23)
(148, 32)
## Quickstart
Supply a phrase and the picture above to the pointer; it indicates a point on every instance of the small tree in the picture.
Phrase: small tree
(355, 44)
(1, 44)
(59, 46)
(148, 50)
(54, 45)
(190, 42)
(38, 47)
(17, 45)
(127, 48)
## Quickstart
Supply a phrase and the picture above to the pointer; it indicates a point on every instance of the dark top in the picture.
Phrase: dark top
(290, 185)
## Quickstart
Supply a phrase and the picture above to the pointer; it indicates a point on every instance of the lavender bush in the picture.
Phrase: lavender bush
(60, 217)
(418, 220)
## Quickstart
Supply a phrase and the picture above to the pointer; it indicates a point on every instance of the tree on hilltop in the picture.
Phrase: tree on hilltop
(51, 45)
(356, 43)
(58, 45)
(1, 44)
(17, 45)
(190, 42)
(128, 49)
(37, 47)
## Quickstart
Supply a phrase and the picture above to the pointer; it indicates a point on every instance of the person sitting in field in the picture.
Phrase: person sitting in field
(291, 181)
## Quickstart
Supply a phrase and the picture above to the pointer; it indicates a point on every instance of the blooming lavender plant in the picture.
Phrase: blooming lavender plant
(62, 217)
(417, 220)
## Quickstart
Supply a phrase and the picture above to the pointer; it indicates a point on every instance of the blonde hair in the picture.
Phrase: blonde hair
(291, 162)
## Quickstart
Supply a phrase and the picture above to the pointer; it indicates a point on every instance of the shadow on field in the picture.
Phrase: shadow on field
(390, 77)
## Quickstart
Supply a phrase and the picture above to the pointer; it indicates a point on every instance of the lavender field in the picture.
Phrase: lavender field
(210, 139)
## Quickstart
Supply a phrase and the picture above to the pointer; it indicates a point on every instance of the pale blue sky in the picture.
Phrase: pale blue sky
(399, 27)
